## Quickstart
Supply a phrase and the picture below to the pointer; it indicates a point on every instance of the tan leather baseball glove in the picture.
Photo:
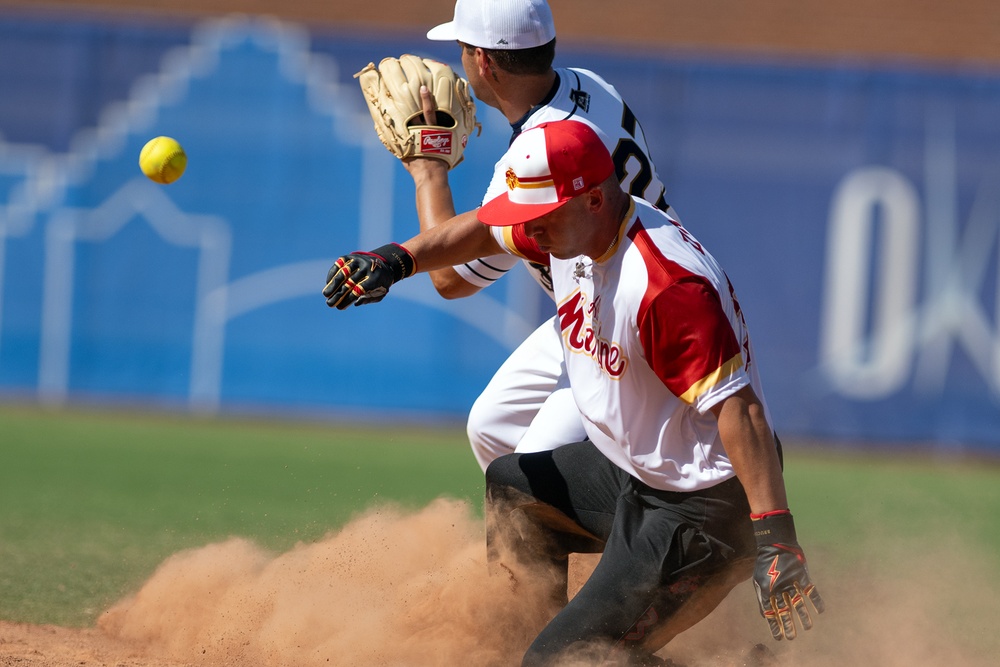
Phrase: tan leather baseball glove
(392, 91)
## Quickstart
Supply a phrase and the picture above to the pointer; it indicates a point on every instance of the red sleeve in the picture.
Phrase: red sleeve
(518, 243)
(685, 334)
(687, 338)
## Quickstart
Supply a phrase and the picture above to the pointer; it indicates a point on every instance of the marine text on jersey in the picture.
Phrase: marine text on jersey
(580, 336)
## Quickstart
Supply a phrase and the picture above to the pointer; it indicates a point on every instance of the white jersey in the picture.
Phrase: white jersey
(584, 96)
(653, 337)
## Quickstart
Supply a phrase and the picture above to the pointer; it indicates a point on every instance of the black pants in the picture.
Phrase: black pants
(659, 547)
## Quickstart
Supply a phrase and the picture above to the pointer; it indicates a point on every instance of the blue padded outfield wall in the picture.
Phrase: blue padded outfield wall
(855, 207)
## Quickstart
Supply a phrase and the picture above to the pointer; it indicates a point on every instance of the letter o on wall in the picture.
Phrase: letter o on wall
(867, 330)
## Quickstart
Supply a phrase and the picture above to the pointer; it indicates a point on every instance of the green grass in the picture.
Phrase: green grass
(92, 502)
(879, 506)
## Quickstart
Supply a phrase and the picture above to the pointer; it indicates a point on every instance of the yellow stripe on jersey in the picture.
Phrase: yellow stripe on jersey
(712, 379)
(508, 240)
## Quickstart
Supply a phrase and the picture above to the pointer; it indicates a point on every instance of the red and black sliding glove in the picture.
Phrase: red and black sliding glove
(365, 277)
(780, 575)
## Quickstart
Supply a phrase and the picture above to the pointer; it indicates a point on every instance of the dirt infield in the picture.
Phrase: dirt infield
(411, 589)
(24, 645)
(391, 588)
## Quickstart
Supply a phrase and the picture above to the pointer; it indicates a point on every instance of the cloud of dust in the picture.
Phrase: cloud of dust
(906, 606)
(411, 588)
(390, 588)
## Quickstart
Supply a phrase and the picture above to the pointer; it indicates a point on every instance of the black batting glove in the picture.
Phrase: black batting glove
(365, 277)
(781, 577)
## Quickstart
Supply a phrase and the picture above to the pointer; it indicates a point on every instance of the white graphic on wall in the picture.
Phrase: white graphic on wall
(877, 331)
(41, 198)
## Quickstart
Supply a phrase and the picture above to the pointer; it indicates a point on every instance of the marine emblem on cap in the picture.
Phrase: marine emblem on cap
(511, 179)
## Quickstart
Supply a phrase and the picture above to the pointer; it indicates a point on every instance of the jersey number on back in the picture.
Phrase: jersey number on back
(627, 149)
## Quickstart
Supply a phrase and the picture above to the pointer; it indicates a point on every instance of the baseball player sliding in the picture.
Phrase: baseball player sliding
(679, 481)
(508, 48)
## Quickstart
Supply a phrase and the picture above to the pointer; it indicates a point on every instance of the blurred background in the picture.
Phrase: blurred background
(841, 159)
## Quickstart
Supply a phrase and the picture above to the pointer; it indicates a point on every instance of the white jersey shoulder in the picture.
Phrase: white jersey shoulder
(584, 96)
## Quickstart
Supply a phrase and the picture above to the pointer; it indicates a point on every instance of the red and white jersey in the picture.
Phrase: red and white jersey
(584, 96)
(653, 337)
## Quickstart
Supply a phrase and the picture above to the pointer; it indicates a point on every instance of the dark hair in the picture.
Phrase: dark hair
(536, 60)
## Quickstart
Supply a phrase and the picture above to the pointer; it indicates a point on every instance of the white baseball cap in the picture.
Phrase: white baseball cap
(498, 24)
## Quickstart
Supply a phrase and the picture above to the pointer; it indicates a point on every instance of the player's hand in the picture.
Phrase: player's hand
(429, 106)
(426, 167)
(365, 277)
(781, 578)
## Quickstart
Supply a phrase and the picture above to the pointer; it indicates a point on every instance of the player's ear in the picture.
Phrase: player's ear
(485, 62)
(594, 199)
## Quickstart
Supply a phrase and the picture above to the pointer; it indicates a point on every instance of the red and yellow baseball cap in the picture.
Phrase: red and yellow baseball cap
(547, 166)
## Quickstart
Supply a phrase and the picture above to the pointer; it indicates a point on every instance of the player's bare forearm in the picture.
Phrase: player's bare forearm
(461, 240)
(433, 191)
(780, 576)
(435, 206)
(749, 443)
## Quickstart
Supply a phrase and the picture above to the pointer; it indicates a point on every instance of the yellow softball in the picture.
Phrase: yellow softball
(163, 160)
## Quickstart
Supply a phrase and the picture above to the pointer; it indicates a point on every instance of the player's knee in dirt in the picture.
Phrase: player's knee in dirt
(501, 474)
(513, 531)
